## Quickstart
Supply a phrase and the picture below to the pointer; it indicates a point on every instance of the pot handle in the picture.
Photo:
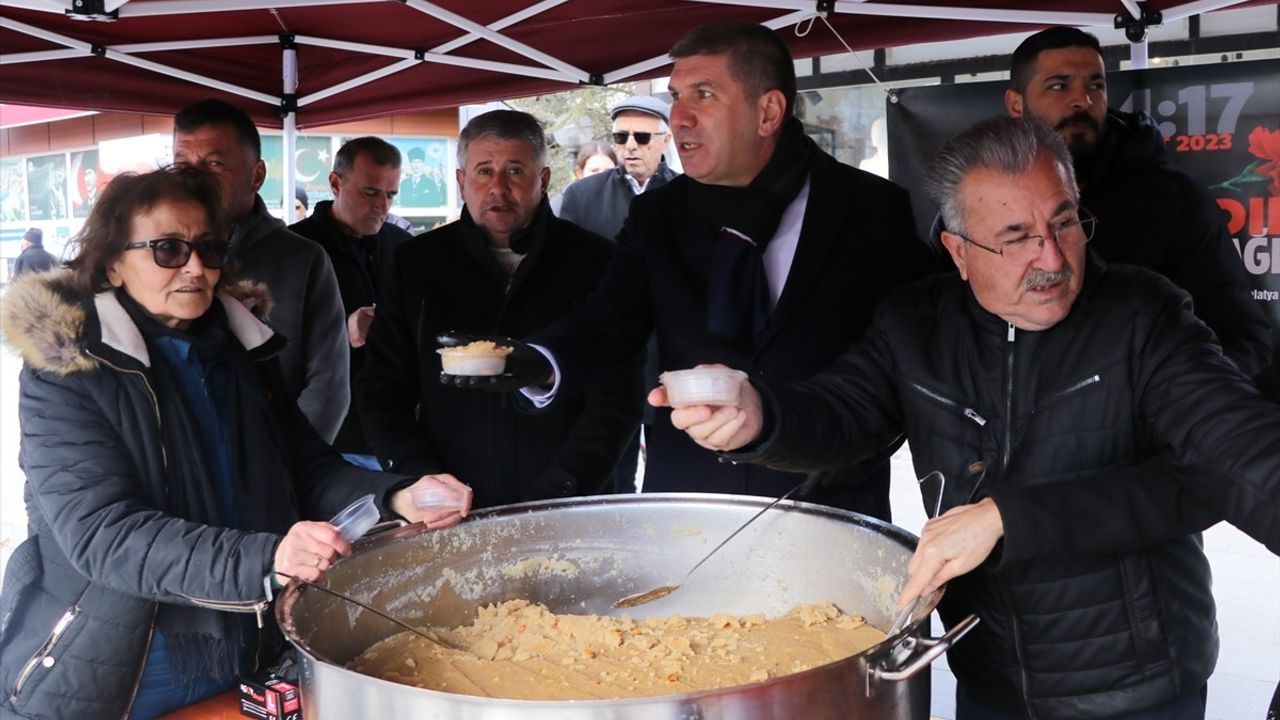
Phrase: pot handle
(382, 527)
(915, 654)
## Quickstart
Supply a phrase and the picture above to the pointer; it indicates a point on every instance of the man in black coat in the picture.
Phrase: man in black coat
(767, 255)
(33, 258)
(600, 203)
(1041, 381)
(354, 232)
(508, 266)
(1151, 213)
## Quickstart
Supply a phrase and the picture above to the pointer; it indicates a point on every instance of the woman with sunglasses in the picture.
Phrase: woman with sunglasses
(167, 468)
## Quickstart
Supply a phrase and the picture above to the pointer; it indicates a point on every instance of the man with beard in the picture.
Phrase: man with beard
(1151, 213)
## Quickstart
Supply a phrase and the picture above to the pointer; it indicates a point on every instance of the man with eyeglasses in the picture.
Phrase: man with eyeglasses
(600, 202)
(1040, 382)
(306, 308)
(1153, 214)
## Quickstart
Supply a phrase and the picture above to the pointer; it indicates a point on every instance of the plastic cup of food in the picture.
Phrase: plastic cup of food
(356, 519)
(703, 386)
(439, 499)
(481, 357)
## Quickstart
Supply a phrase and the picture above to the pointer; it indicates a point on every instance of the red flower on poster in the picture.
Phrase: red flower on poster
(1265, 144)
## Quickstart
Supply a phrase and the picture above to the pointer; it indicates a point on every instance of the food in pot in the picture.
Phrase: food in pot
(521, 651)
(482, 357)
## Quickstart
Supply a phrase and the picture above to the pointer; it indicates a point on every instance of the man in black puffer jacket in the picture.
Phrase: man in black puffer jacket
(1068, 381)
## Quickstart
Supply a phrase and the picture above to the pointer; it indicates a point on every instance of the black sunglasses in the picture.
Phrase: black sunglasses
(174, 253)
(642, 138)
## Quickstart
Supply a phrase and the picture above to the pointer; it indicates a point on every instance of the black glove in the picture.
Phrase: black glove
(525, 366)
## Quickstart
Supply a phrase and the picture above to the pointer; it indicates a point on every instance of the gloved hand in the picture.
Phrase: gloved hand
(525, 365)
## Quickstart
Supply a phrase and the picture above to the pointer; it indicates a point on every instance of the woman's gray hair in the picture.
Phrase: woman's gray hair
(1006, 145)
(504, 125)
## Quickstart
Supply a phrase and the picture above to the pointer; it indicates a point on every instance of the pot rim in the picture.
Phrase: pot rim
(292, 593)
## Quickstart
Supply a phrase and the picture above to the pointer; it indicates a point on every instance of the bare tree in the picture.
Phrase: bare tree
(572, 119)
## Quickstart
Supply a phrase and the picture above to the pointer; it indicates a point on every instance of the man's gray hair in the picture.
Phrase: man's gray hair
(1005, 145)
(505, 125)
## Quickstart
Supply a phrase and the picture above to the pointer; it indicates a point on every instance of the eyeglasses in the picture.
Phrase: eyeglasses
(642, 138)
(1069, 234)
(175, 253)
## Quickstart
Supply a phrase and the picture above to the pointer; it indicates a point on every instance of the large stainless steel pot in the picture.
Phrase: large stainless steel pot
(579, 556)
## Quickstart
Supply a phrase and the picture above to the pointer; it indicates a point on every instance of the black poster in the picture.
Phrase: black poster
(1221, 122)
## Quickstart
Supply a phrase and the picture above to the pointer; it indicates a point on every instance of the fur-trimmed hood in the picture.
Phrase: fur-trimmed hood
(46, 320)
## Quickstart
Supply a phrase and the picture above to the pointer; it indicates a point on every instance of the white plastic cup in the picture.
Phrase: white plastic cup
(437, 499)
(356, 519)
(703, 386)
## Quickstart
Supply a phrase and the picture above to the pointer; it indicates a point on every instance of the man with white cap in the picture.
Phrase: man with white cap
(600, 202)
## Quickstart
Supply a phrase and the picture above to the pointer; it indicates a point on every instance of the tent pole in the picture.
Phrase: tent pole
(289, 142)
(1138, 55)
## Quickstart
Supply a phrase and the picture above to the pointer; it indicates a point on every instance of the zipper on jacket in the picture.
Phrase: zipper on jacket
(151, 392)
(967, 412)
(43, 656)
(1004, 466)
(146, 650)
(1075, 387)
(1017, 649)
(257, 607)
(1008, 401)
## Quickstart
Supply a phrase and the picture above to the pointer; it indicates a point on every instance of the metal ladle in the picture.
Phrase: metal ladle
(431, 637)
(978, 470)
(662, 591)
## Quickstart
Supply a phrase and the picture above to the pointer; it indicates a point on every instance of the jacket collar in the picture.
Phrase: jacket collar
(322, 216)
(118, 331)
(661, 176)
(258, 225)
(57, 329)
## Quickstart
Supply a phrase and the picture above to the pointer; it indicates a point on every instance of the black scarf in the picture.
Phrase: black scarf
(743, 221)
(203, 642)
(523, 240)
